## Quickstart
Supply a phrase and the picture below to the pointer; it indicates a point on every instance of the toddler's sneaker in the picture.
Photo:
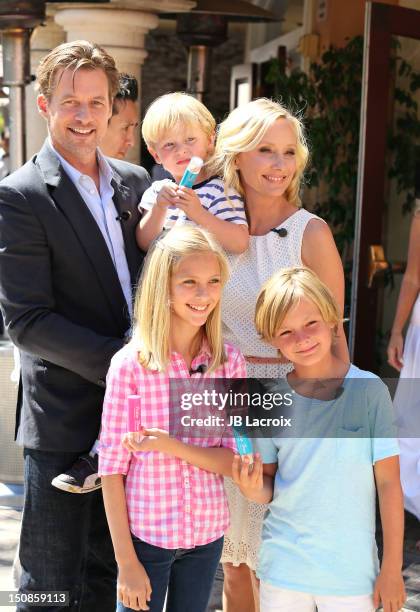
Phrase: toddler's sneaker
(82, 477)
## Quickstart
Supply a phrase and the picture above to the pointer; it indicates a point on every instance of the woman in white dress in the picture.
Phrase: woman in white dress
(261, 152)
(406, 359)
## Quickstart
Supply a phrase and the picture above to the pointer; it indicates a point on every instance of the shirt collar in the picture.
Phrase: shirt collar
(105, 169)
(203, 355)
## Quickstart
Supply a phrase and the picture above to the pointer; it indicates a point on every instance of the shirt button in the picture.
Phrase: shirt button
(187, 508)
(92, 191)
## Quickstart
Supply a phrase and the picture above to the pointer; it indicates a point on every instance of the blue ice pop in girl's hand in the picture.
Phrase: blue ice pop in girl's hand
(191, 172)
(243, 443)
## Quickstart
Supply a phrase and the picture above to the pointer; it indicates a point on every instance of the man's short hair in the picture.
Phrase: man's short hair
(128, 90)
(76, 55)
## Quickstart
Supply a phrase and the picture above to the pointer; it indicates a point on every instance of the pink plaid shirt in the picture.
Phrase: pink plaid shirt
(170, 503)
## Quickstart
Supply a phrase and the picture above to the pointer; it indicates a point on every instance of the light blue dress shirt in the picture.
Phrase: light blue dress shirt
(102, 208)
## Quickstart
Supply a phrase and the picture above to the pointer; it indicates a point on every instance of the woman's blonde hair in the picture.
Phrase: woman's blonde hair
(171, 111)
(152, 313)
(283, 291)
(243, 130)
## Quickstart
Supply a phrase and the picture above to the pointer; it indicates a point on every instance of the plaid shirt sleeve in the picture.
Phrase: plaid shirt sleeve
(236, 369)
(113, 457)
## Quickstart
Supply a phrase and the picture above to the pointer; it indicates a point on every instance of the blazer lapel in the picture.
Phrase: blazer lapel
(69, 201)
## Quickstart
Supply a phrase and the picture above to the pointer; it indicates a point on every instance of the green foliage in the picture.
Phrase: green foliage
(328, 99)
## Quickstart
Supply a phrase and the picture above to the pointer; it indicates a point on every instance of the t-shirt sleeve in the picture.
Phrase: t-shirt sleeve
(227, 205)
(267, 449)
(149, 197)
(384, 431)
(113, 457)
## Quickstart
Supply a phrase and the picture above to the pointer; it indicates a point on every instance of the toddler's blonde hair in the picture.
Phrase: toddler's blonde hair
(172, 111)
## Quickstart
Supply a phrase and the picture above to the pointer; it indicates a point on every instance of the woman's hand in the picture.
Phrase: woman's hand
(395, 350)
(133, 587)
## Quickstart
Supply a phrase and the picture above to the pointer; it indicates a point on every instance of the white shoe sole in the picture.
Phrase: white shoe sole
(63, 486)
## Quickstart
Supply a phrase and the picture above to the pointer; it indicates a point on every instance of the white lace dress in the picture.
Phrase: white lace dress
(407, 407)
(265, 256)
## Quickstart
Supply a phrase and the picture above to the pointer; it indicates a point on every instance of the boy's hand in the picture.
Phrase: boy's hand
(389, 590)
(187, 200)
(249, 482)
(133, 587)
(146, 440)
(167, 195)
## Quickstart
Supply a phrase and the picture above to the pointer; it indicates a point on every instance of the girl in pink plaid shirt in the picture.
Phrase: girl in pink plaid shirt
(164, 496)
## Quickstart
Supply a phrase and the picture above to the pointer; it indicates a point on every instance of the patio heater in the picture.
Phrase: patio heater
(17, 20)
(205, 27)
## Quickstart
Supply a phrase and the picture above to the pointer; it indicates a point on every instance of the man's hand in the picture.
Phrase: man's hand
(133, 587)
(389, 590)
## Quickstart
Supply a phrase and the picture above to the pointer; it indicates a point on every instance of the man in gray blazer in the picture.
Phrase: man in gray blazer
(68, 264)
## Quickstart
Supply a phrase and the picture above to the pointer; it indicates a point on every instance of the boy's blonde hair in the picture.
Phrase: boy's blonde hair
(171, 111)
(283, 291)
(152, 313)
(243, 130)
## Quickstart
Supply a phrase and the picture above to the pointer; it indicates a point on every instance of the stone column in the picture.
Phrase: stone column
(121, 32)
(43, 39)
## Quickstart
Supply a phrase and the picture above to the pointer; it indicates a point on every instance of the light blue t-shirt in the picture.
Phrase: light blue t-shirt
(319, 531)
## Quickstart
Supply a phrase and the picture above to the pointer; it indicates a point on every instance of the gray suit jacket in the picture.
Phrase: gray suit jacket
(61, 297)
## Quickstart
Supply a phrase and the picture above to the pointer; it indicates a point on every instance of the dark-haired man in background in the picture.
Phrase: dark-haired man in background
(121, 133)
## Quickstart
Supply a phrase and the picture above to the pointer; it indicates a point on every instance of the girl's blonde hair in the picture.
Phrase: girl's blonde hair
(283, 291)
(152, 312)
(171, 111)
(243, 130)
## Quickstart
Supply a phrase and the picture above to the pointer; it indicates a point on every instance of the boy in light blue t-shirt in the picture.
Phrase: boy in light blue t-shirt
(318, 543)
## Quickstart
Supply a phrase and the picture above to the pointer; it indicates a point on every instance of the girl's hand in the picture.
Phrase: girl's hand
(146, 440)
(249, 482)
(188, 201)
(131, 440)
(133, 587)
(389, 591)
(395, 350)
